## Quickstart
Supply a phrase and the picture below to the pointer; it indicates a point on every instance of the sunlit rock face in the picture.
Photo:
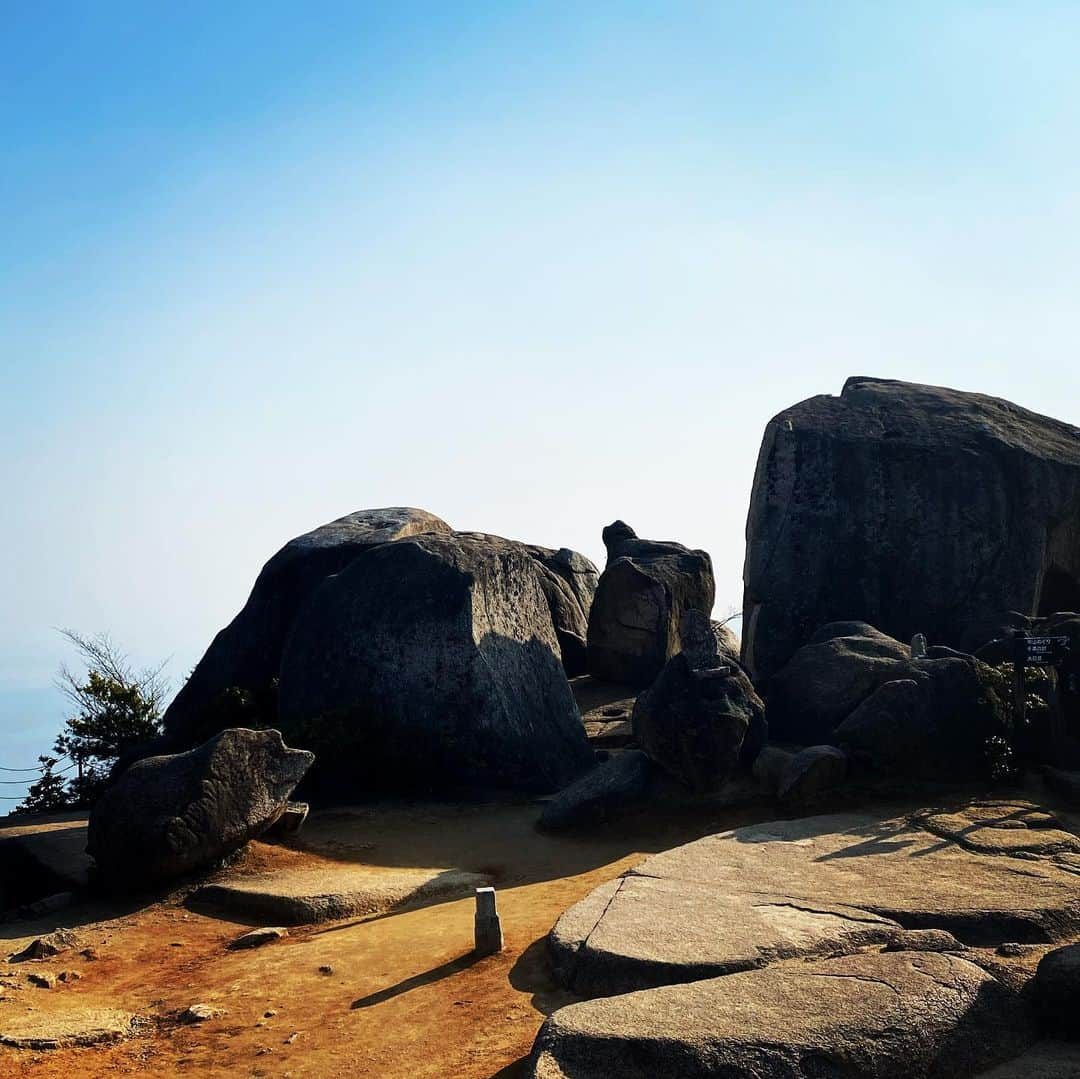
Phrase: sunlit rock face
(913, 508)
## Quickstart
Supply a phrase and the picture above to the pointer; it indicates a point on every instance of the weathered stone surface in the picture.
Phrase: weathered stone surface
(167, 816)
(569, 582)
(861, 690)
(787, 888)
(634, 625)
(310, 895)
(1057, 990)
(902, 1015)
(1003, 827)
(695, 722)
(811, 773)
(640, 930)
(246, 655)
(914, 508)
(31, 1029)
(770, 765)
(621, 780)
(432, 663)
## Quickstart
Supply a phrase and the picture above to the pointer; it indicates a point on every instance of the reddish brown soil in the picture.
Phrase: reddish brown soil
(405, 997)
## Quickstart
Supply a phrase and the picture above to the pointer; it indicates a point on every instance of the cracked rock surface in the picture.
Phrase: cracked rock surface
(813, 947)
(898, 1015)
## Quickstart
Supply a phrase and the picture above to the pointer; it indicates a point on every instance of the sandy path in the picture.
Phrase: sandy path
(405, 998)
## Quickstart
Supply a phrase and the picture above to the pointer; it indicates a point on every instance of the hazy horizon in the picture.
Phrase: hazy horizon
(531, 269)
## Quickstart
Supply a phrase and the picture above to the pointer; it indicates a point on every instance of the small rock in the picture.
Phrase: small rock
(69, 975)
(925, 940)
(258, 937)
(292, 1037)
(269, 1013)
(90, 954)
(43, 979)
(811, 773)
(326, 969)
(1011, 950)
(53, 944)
(198, 1013)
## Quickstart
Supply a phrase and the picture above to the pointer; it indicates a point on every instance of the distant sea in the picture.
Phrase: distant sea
(30, 719)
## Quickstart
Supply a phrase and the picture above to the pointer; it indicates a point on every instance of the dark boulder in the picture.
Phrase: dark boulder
(701, 716)
(233, 684)
(644, 590)
(168, 816)
(812, 773)
(1056, 990)
(914, 508)
(620, 781)
(569, 582)
(826, 679)
(432, 663)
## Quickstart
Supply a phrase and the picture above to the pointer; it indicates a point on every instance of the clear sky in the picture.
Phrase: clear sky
(532, 266)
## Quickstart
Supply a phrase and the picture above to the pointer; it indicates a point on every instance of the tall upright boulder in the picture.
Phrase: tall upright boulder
(429, 664)
(914, 508)
(636, 612)
(245, 656)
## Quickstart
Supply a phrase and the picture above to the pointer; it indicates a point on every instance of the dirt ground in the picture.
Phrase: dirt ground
(405, 997)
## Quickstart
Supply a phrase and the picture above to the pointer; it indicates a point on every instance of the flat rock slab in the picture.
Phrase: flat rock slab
(895, 1015)
(324, 893)
(744, 898)
(54, 848)
(87, 1026)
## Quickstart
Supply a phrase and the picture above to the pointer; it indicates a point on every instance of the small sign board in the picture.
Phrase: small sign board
(1041, 651)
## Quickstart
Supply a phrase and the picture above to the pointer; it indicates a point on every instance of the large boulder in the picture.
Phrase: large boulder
(701, 716)
(168, 816)
(898, 1015)
(914, 508)
(234, 680)
(432, 663)
(853, 686)
(634, 625)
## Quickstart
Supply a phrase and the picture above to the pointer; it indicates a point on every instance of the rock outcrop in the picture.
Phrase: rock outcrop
(169, 816)
(814, 886)
(900, 1015)
(634, 625)
(914, 508)
(701, 717)
(829, 946)
(432, 664)
(233, 682)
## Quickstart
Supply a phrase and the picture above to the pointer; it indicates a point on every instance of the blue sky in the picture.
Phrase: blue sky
(531, 266)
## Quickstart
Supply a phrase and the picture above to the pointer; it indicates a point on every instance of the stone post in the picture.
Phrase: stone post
(488, 929)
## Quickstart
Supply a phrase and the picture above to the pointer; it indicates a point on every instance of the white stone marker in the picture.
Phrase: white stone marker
(488, 929)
